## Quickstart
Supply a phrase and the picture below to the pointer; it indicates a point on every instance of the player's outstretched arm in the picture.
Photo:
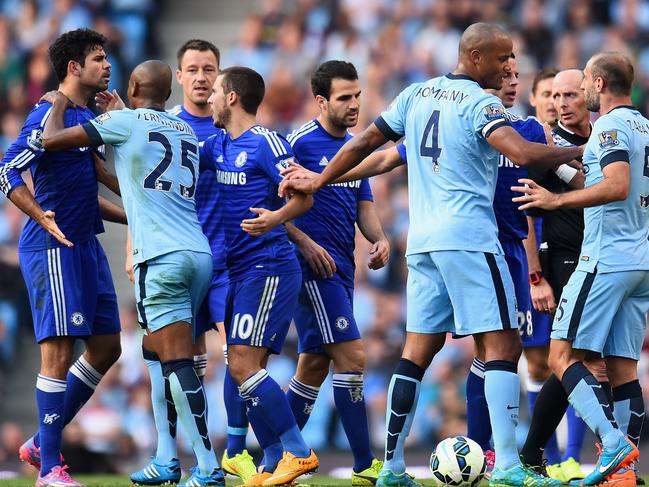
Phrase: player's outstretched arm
(55, 135)
(266, 220)
(104, 176)
(524, 153)
(370, 226)
(349, 156)
(319, 260)
(614, 187)
(111, 212)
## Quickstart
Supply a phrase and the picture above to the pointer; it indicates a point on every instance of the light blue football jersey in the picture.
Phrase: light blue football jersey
(615, 234)
(452, 170)
(156, 160)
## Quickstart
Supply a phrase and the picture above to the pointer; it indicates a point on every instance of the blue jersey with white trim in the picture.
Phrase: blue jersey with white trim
(248, 173)
(156, 160)
(615, 234)
(208, 207)
(64, 181)
(331, 222)
(512, 223)
(452, 169)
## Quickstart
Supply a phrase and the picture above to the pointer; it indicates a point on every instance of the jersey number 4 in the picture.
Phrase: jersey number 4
(154, 179)
(431, 134)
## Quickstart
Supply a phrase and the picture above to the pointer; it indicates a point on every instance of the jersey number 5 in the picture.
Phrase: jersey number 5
(431, 132)
(154, 179)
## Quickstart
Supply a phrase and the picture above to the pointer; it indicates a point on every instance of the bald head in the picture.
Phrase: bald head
(572, 77)
(481, 36)
(153, 80)
(569, 101)
(615, 69)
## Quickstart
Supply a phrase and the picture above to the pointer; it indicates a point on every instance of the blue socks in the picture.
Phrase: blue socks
(50, 398)
(268, 441)
(81, 382)
(589, 400)
(350, 402)
(402, 403)
(502, 390)
(576, 432)
(189, 400)
(235, 408)
(261, 392)
(629, 409)
(164, 412)
(301, 397)
(477, 412)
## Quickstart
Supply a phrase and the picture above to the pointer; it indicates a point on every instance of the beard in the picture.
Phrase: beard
(592, 101)
(223, 118)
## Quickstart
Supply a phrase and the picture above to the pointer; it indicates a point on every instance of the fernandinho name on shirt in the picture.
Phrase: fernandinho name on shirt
(440, 94)
(154, 117)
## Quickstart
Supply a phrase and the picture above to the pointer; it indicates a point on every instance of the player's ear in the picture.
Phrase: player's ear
(321, 101)
(179, 74)
(74, 68)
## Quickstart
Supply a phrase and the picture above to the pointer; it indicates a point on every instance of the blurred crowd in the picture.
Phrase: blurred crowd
(392, 43)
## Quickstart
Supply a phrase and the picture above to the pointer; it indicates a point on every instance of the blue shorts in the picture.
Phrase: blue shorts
(212, 310)
(459, 291)
(170, 288)
(259, 310)
(533, 326)
(70, 291)
(604, 312)
(324, 315)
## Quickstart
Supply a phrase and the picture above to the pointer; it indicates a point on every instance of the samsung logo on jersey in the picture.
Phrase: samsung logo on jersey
(442, 95)
(504, 162)
(231, 177)
(350, 184)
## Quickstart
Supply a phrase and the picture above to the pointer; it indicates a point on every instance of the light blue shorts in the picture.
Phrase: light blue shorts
(171, 287)
(604, 312)
(461, 292)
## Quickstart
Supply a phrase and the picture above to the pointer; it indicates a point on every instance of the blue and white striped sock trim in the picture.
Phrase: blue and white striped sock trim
(47, 384)
(304, 390)
(477, 367)
(86, 373)
(250, 384)
(348, 381)
(200, 364)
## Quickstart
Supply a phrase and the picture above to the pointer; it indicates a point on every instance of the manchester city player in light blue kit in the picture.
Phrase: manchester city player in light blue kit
(458, 279)
(265, 276)
(325, 236)
(156, 159)
(604, 305)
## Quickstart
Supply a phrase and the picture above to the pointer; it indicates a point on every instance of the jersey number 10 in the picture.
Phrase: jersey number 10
(154, 179)
(431, 132)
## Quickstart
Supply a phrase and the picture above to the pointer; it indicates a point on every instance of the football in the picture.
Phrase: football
(458, 461)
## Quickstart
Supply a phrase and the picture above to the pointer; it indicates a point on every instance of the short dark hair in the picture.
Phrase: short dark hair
(328, 71)
(247, 84)
(198, 45)
(74, 45)
(542, 75)
(616, 69)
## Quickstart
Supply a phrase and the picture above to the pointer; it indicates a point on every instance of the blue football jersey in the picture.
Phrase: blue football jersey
(331, 222)
(452, 169)
(512, 223)
(210, 211)
(64, 181)
(248, 173)
(156, 160)
(615, 234)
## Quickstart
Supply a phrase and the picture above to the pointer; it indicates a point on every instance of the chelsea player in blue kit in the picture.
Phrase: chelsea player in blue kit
(172, 269)
(264, 273)
(327, 330)
(65, 269)
(458, 279)
(604, 305)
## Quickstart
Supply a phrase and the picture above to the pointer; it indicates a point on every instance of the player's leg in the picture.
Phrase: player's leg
(169, 290)
(311, 371)
(429, 318)
(477, 411)
(584, 318)
(256, 325)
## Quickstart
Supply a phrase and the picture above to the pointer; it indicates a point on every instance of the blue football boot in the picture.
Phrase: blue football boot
(156, 473)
